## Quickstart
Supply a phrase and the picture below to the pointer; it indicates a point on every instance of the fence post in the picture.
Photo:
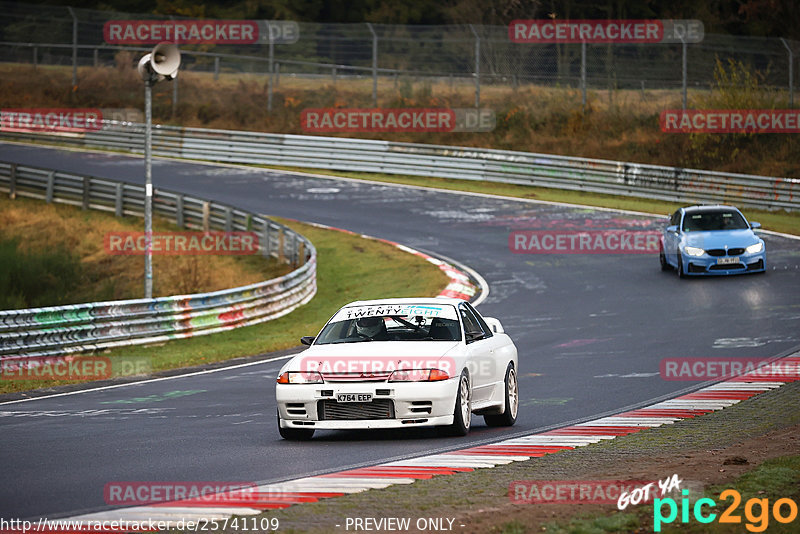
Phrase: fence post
(12, 182)
(684, 74)
(477, 67)
(271, 71)
(74, 48)
(583, 76)
(216, 67)
(374, 65)
(51, 179)
(179, 221)
(174, 96)
(35, 56)
(118, 205)
(277, 74)
(791, 73)
(333, 75)
(95, 53)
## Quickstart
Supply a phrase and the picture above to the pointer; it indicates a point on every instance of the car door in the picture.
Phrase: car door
(481, 347)
(672, 239)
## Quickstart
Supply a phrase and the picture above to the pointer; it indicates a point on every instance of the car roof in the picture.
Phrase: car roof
(708, 207)
(414, 300)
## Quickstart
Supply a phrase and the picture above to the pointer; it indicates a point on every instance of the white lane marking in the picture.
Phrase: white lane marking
(151, 380)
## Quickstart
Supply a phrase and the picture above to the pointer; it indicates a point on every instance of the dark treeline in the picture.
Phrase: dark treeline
(769, 18)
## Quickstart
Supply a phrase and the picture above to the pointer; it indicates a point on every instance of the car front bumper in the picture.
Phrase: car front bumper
(709, 265)
(394, 404)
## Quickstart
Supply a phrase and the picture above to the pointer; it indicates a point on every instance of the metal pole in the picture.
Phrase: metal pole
(74, 48)
(583, 76)
(374, 65)
(477, 67)
(174, 96)
(271, 71)
(791, 73)
(148, 192)
(683, 68)
(216, 67)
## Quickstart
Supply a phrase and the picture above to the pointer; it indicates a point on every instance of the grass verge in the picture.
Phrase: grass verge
(349, 268)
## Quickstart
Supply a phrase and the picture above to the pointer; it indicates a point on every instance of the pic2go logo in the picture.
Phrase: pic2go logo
(757, 522)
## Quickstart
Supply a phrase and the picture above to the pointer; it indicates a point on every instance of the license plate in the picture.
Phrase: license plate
(727, 261)
(354, 397)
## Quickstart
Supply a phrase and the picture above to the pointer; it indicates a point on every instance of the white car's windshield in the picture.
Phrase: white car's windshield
(407, 323)
(705, 221)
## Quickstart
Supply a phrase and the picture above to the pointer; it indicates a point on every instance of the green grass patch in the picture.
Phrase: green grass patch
(777, 221)
(349, 268)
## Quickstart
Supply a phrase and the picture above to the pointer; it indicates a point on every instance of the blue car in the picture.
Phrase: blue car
(711, 240)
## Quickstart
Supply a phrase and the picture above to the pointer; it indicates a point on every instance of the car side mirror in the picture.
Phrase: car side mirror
(672, 228)
(307, 340)
(755, 225)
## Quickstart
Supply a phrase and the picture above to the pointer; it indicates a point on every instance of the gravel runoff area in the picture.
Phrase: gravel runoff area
(712, 449)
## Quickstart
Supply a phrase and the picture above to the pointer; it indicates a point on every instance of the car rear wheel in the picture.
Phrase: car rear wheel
(509, 416)
(462, 412)
(295, 434)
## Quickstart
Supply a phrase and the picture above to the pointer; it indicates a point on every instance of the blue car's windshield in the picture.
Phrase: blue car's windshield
(705, 221)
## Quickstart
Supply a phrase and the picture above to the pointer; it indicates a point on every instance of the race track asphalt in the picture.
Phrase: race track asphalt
(591, 330)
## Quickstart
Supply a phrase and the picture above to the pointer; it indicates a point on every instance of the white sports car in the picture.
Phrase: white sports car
(398, 363)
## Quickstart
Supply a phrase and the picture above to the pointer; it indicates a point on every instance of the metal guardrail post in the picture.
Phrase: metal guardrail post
(374, 65)
(206, 215)
(271, 71)
(179, 221)
(119, 204)
(791, 72)
(87, 185)
(35, 57)
(51, 178)
(228, 219)
(216, 67)
(477, 67)
(265, 245)
(12, 184)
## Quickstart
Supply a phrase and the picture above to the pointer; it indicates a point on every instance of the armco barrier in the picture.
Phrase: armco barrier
(562, 172)
(81, 327)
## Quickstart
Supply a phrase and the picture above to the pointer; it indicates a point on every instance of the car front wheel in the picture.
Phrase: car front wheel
(462, 412)
(681, 274)
(295, 434)
(509, 416)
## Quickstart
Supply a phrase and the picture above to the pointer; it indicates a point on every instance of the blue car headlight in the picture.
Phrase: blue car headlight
(753, 249)
(694, 251)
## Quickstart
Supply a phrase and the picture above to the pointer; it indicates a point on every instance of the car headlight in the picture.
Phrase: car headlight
(418, 375)
(758, 247)
(694, 251)
(300, 377)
